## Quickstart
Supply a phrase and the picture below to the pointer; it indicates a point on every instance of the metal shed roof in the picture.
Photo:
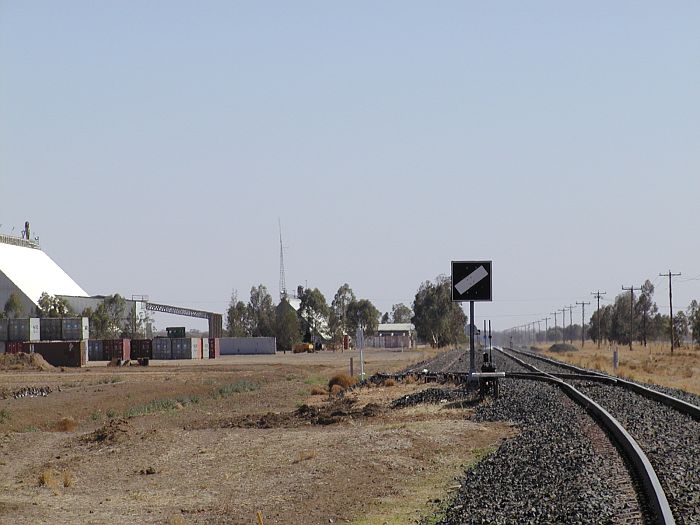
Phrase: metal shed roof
(34, 272)
(396, 327)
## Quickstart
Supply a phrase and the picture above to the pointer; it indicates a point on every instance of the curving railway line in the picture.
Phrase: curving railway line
(591, 448)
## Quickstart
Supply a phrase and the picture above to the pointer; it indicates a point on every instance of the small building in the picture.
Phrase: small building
(394, 335)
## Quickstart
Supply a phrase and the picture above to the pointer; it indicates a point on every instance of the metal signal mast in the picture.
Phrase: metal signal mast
(283, 284)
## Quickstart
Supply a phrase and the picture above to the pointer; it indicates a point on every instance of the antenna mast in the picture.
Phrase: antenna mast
(283, 285)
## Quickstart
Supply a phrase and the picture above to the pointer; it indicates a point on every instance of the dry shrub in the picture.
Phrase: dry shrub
(66, 424)
(304, 455)
(336, 389)
(68, 479)
(389, 382)
(48, 478)
(343, 380)
(177, 519)
(318, 391)
(409, 380)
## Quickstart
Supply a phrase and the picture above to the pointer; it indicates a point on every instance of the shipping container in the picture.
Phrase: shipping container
(96, 350)
(75, 328)
(3, 330)
(175, 331)
(24, 329)
(13, 347)
(205, 348)
(117, 349)
(2, 347)
(141, 349)
(247, 345)
(59, 353)
(186, 348)
(214, 348)
(50, 329)
(162, 348)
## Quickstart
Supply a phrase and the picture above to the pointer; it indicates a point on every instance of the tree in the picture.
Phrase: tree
(53, 306)
(362, 314)
(646, 308)
(385, 318)
(438, 320)
(237, 321)
(261, 313)
(13, 307)
(400, 313)
(680, 327)
(694, 321)
(338, 313)
(313, 314)
(287, 326)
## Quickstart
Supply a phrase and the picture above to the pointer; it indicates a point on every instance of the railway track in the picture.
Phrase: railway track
(641, 466)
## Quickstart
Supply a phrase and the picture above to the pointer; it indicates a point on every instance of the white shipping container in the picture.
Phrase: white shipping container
(247, 345)
(205, 348)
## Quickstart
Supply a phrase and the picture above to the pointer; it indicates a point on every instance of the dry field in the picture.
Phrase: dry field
(653, 364)
(218, 441)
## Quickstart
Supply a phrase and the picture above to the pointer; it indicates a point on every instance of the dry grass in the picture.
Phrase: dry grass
(389, 382)
(653, 364)
(177, 519)
(304, 455)
(66, 424)
(410, 380)
(318, 391)
(343, 380)
(48, 478)
(68, 479)
(336, 389)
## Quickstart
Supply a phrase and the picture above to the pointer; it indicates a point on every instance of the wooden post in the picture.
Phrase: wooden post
(352, 371)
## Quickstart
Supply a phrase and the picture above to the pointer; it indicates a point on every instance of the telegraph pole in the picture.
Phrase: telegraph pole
(571, 324)
(563, 325)
(631, 290)
(598, 295)
(583, 321)
(670, 299)
(546, 330)
(554, 313)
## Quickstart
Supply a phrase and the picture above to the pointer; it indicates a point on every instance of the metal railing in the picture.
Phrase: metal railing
(19, 241)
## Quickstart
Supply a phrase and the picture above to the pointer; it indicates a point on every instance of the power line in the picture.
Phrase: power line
(670, 299)
(631, 290)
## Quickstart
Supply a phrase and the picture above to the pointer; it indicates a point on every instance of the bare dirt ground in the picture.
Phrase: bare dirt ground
(217, 441)
(651, 364)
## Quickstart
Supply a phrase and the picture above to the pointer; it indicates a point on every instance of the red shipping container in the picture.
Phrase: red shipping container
(117, 349)
(214, 348)
(13, 347)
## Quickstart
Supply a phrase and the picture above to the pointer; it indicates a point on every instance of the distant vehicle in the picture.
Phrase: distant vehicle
(301, 348)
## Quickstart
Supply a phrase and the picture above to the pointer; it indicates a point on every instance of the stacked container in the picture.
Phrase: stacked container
(59, 353)
(51, 329)
(141, 349)
(214, 348)
(162, 348)
(23, 329)
(96, 350)
(117, 349)
(186, 348)
(75, 328)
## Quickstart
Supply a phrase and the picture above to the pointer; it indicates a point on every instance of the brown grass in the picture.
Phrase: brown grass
(653, 364)
(410, 380)
(304, 455)
(68, 479)
(343, 380)
(389, 382)
(318, 391)
(66, 424)
(336, 389)
(48, 478)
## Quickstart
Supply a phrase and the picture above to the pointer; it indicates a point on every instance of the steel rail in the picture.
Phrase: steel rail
(656, 497)
(668, 400)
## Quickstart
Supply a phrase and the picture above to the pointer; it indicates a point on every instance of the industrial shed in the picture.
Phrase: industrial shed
(393, 335)
(27, 271)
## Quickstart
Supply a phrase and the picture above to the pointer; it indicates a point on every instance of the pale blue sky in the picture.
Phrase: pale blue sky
(153, 145)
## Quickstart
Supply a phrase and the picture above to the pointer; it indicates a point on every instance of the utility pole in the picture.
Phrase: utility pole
(554, 313)
(583, 321)
(670, 299)
(546, 330)
(563, 325)
(571, 324)
(598, 295)
(631, 290)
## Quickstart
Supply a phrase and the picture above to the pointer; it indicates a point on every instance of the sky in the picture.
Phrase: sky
(154, 146)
